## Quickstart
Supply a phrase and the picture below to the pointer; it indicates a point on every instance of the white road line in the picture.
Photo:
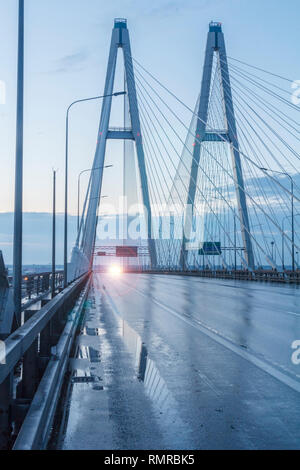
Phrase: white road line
(294, 313)
(261, 364)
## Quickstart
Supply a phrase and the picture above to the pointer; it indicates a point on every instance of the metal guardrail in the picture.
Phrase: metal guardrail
(26, 355)
(37, 283)
(255, 275)
(36, 429)
(243, 275)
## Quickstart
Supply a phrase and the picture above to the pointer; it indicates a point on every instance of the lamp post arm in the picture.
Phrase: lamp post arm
(78, 189)
(93, 98)
(78, 198)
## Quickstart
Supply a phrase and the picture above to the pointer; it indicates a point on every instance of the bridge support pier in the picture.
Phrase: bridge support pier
(30, 365)
(45, 344)
(5, 411)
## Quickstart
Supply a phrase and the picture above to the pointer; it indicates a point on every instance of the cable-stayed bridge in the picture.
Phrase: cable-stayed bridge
(136, 339)
(224, 183)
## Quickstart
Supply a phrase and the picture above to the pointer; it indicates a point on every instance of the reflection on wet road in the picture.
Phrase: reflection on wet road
(185, 363)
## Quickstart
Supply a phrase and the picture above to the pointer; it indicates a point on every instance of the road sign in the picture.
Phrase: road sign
(210, 248)
(126, 251)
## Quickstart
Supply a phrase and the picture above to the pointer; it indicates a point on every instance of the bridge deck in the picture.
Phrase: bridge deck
(185, 363)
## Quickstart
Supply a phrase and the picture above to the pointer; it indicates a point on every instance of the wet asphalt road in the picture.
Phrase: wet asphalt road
(170, 362)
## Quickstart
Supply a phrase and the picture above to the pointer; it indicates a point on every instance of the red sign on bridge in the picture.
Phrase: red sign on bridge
(126, 251)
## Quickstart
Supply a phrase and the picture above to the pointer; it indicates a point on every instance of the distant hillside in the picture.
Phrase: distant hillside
(37, 237)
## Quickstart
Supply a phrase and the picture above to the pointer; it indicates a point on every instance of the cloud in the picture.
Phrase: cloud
(165, 10)
(170, 8)
(71, 62)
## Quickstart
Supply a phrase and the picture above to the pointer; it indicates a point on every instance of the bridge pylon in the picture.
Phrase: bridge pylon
(83, 254)
(216, 45)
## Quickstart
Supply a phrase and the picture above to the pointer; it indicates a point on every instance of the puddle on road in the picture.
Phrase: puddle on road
(88, 355)
(92, 331)
(146, 370)
(88, 371)
(148, 374)
(85, 367)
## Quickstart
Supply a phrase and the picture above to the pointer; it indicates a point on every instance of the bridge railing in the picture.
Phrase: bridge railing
(31, 351)
(38, 283)
(266, 275)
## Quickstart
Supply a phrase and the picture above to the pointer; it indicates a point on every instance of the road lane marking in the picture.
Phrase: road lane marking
(294, 313)
(200, 280)
(261, 364)
(251, 286)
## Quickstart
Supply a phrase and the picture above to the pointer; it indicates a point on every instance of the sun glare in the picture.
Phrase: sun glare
(115, 270)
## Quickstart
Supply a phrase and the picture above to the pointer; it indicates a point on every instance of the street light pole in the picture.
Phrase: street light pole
(53, 237)
(234, 240)
(272, 245)
(293, 226)
(282, 246)
(18, 207)
(292, 210)
(66, 176)
(283, 234)
(78, 190)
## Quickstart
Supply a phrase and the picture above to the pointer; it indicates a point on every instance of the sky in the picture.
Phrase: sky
(67, 45)
(66, 50)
